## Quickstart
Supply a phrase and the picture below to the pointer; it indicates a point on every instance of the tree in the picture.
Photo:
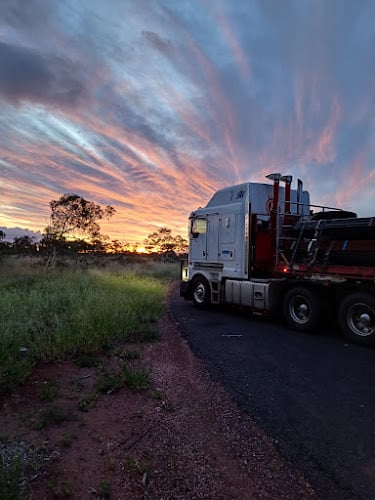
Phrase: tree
(24, 244)
(117, 247)
(73, 216)
(181, 245)
(3, 245)
(162, 241)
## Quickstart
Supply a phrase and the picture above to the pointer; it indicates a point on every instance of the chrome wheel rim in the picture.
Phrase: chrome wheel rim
(361, 319)
(199, 293)
(300, 309)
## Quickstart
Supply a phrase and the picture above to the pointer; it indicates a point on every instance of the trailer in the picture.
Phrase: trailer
(267, 248)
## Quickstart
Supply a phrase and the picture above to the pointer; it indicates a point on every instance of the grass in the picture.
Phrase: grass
(48, 391)
(67, 439)
(129, 354)
(137, 380)
(19, 461)
(10, 478)
(48, 316)
(105, 489)
(51, 415)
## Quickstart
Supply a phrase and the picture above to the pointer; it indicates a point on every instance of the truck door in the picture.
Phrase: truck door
(212, 253)
(198, 239)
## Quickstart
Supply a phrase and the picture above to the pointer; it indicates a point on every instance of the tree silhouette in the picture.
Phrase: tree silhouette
(72, 216)
(162, 241)
(24, 244)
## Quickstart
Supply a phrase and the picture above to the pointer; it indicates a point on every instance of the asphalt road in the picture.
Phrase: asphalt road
(313, 394)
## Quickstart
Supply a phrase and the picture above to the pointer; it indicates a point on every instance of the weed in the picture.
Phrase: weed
(48, 416)
(129, 354)
(146, 334)
(109, 382)
(165, 403)
(86, 361)
(48, 391)
(10, 478)
(110, 463)
(136, 379)
(59, 489)
(67, 439)
(157, 394)
(168, 406)
(88, 402)
(139, 466)
(105, 489)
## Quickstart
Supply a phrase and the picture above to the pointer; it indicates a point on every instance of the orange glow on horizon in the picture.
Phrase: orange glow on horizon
(141, 249)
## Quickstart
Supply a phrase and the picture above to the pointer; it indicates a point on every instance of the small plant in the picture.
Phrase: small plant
(109, 382)
(86, 361)
(157, 394)
(142, 467)
(105, 489)
(60, 489)
(130, 354)
(48, 391)
(146, 334)
(67, 439)
(88, 402)
(10, 478)
(135, 379)
(165, 403)
(51, 415)
(168, 406)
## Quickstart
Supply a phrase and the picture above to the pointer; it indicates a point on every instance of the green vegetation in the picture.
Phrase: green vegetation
(19, 461)
(60, 489)
(67, 439)
(105, 489)
(51, 415)
(135, 379)
(48, 391)
(129, 354)
(10, 478)
(48, 316)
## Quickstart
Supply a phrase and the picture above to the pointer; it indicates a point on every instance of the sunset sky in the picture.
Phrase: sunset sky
(152, 105)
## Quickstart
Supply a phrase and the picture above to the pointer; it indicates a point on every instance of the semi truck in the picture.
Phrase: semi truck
(265, 247)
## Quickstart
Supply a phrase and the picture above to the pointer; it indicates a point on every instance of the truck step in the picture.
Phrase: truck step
(215, 292)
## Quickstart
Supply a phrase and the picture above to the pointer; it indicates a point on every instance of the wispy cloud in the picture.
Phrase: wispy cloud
(152, 106)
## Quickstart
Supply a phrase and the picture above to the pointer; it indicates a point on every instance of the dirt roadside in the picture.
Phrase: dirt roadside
(182, 438)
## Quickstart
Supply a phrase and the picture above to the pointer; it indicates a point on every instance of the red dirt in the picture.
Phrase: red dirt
(182, 438)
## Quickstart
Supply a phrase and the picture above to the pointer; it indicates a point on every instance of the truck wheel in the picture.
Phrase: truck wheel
(301, 309)
(201, 292)
(357, 318)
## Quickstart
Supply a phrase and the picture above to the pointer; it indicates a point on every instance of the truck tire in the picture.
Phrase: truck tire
(201, 292)
(301, 309)
(357, 318)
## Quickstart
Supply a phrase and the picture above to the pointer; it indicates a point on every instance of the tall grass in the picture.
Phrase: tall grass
(50, 316)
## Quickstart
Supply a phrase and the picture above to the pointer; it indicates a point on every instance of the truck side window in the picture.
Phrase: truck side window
(198, 226)
(263, 223)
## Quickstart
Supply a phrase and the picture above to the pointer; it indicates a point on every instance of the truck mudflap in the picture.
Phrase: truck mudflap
(185, 289)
